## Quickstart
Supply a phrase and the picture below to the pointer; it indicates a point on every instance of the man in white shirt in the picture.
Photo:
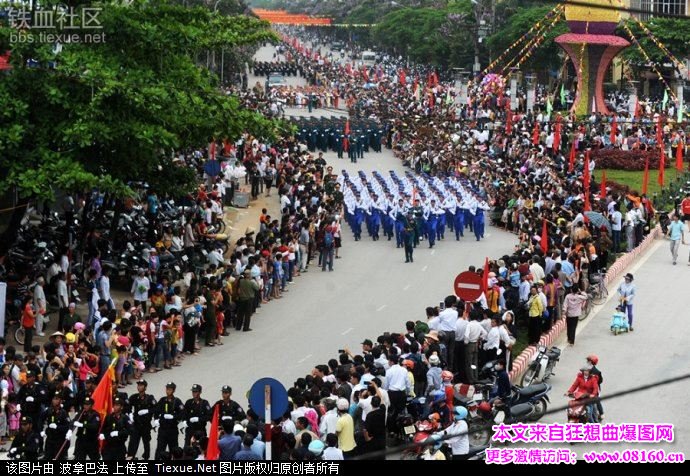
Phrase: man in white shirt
(448, 318)
(104, 289)
(398, 386)
(329, 419)
(473, 334)
(63, 298)
(459, 364)
(536, 270)
(39, 304)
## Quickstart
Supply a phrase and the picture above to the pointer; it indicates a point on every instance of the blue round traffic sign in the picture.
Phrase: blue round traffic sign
(279, 398)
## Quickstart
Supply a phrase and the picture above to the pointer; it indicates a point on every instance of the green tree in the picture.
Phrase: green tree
(545, 57)
(673, 33)
(103, 114)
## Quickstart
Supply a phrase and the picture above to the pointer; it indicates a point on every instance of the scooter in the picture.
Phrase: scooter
(582, 410)
(541, 368)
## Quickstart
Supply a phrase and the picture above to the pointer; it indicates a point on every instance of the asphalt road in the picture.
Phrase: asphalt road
(657, 350)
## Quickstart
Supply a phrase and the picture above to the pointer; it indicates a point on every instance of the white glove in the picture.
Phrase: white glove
(226, 418)
(78, 424)
(143, 412)
(113, 434)
(101, 437)
(131, 417)
(168, 416)
(183, 425)
(13, 450)
(19, 408)
(68, 435)
(194, 419)
(29, 399)
(43, 434)
(155, 424)
(52, 426)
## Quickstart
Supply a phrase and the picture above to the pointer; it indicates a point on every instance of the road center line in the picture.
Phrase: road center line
(347, 331)
(406, 287)
(432, 252)
(382, 308)
(424, 268)
(304, 359)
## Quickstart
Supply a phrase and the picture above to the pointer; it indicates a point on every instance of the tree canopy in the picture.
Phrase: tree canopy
(545, 57)
(103, 114)
(673, 33)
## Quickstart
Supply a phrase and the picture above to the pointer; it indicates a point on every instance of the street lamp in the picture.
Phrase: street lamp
(530, 82)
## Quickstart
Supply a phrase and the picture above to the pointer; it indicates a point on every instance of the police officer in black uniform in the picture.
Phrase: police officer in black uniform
(197, 413)
(168, 413)
(57, 429)
(116, 428)
(143, 406)
(27, 443)
(86, 427)
(229, 409)
(31, 396)
(85, 392)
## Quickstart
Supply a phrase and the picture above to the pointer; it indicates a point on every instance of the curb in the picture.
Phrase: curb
(523, 360)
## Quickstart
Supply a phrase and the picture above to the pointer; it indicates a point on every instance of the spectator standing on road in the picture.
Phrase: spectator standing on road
(626, 291)
(573, 304)
(676, 233)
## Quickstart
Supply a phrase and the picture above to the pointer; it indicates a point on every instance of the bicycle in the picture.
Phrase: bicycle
(597, 287)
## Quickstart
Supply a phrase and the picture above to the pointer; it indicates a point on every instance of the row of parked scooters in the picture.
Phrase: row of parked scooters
(526, 404)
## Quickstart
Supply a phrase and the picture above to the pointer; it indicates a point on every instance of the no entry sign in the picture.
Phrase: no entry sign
(468, 286)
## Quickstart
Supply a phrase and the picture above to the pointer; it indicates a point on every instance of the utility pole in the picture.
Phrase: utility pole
(484, 14)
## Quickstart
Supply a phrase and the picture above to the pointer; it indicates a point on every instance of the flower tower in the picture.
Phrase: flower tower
(591, 45)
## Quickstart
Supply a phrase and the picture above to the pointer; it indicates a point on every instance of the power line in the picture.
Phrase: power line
(640, 388)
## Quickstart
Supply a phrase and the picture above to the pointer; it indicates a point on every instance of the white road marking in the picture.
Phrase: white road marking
(304, 358)
(424, 268)
(432, 252)
(347, 331)
(382, 308)
(407, 287)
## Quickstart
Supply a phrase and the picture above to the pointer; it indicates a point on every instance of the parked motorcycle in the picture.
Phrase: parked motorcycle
(541, 368)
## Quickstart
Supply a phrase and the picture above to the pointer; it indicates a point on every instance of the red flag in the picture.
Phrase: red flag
(638, 109)
(602, 193)
(679, 156)
(485, 275)
(662, 165)
(509, 121)
(535, 134)
(212, 150)
(227, 147)
(588, 207)
(103, 394)
(212, 449)
(402, 77)
(103, 397)
(585, 173)
(347, 127)
(659, 133)
(571, 160)
(614, 130)
(645, 177)
(557, 135)
(544, 237)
